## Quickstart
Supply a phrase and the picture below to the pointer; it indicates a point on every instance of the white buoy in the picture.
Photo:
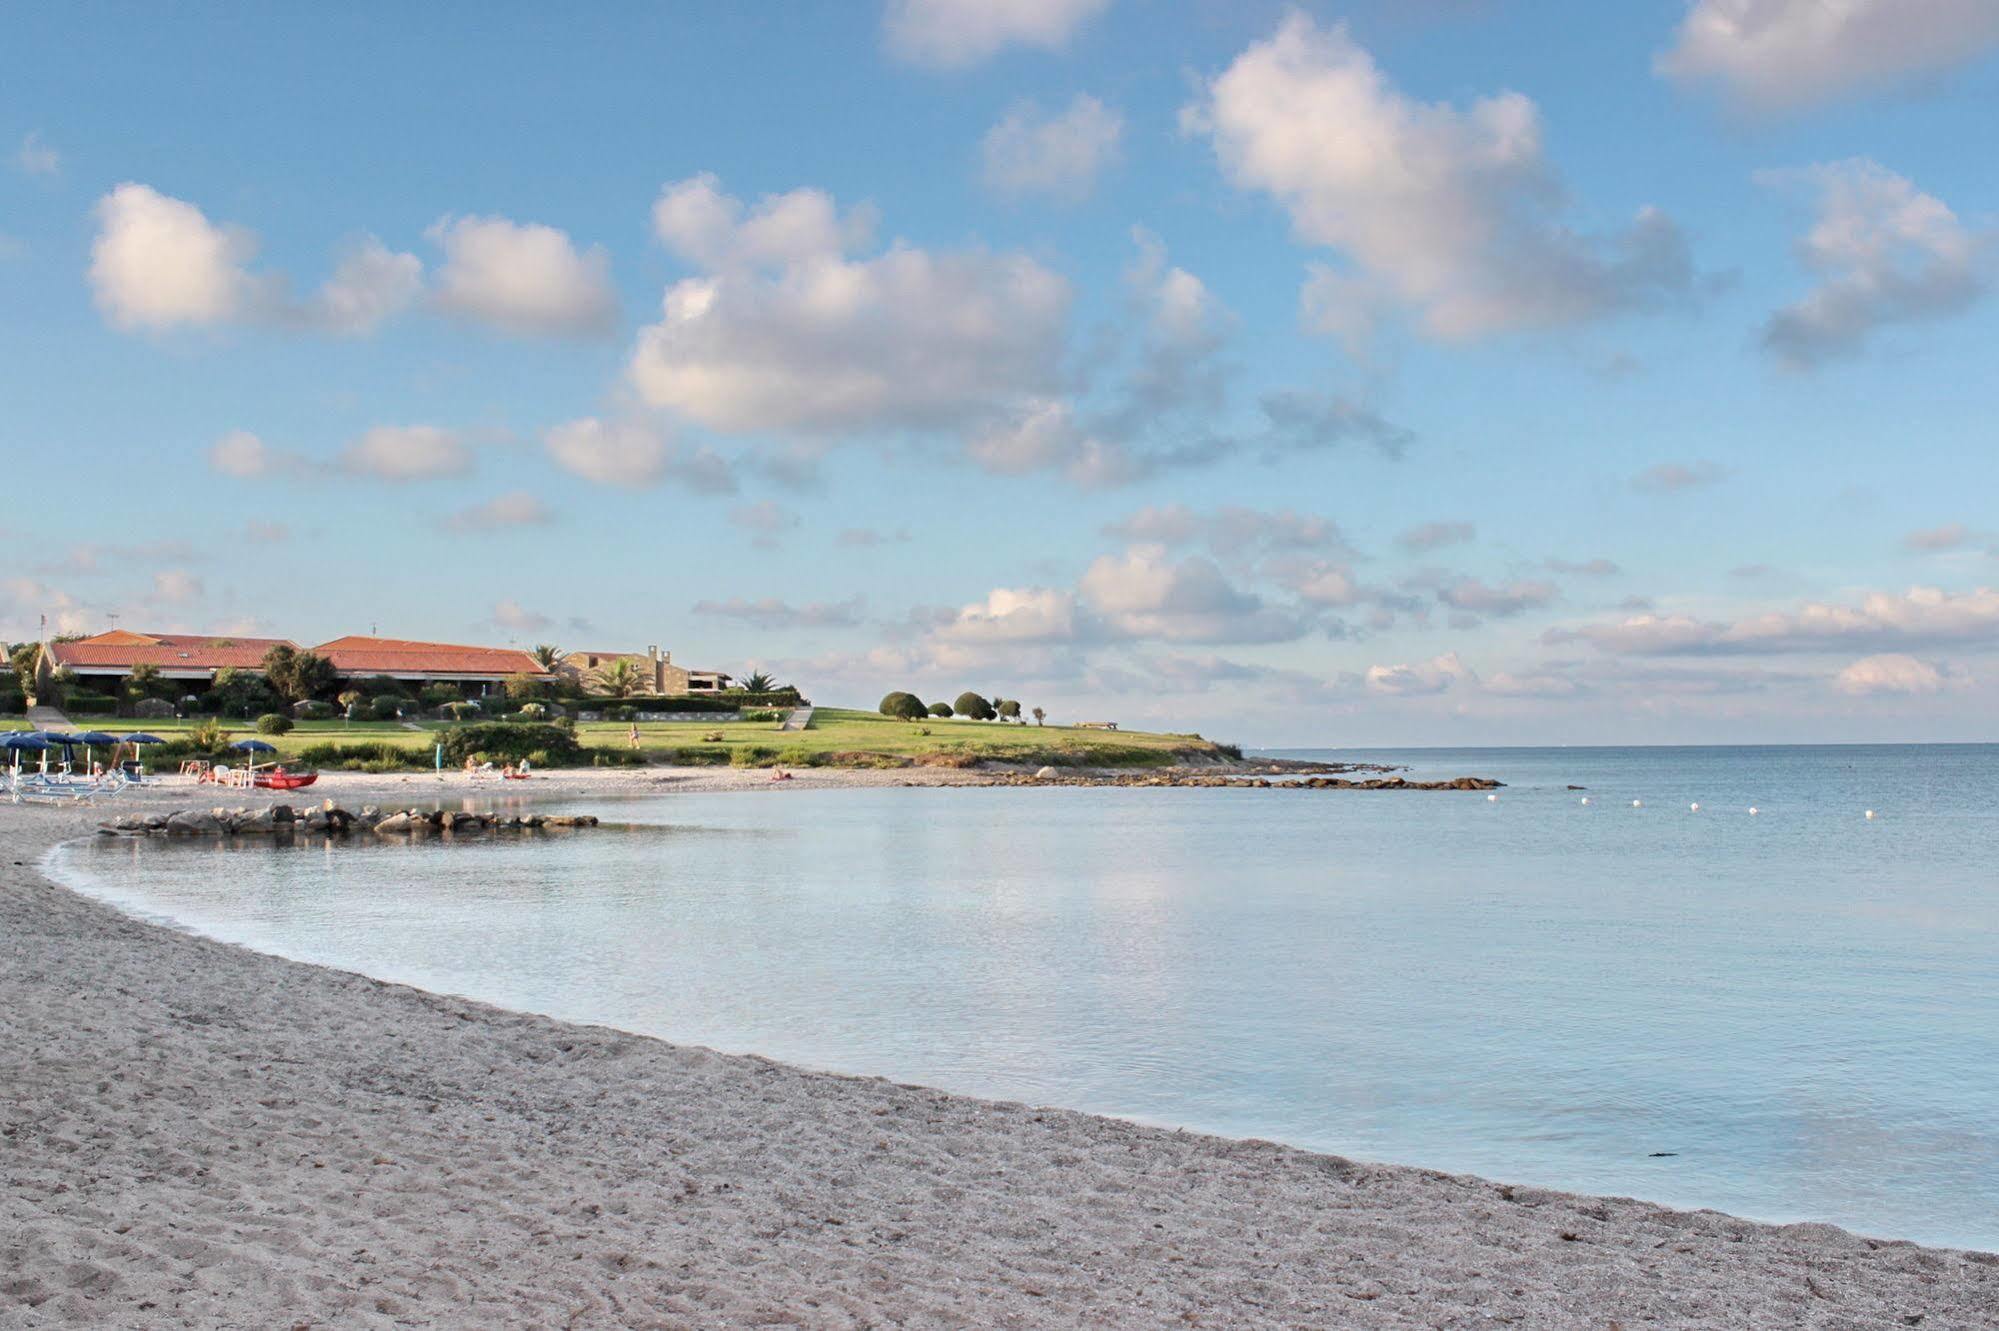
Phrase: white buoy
(1694, 807)
(1494, 799)
(1870, 815)
(1752, 811)
(1638, 804)
(1585, 799)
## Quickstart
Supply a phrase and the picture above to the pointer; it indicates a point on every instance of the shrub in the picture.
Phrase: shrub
(526, 688)
(460, 711)
(904, 707)
(620, 713)
(534, 711)
(273, 723)
(366, 756)
(1009, 710)
(12, 702)
(972, 705)
(752, 755)
(90, 704)
(940, 709)
(616, 758)
(385, 707)
(503, 741)
(208, 736)
(763, 716)
(314, 711)
(376, 686)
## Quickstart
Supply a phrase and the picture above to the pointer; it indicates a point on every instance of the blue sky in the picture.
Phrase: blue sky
(1368, 373)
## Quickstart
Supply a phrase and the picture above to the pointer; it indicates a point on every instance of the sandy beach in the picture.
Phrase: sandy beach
(195, 1135)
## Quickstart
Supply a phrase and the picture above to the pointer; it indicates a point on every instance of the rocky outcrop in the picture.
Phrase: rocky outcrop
(330, 820)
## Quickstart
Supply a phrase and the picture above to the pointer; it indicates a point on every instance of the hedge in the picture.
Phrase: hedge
(12, 702)
(90, 704)
(728, 701)
(511, 741)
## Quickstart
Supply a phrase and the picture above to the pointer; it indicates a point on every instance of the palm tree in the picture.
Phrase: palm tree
(547, 654)
(621, 677)
(759, 682)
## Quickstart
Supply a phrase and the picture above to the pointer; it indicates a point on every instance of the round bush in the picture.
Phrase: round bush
(273, 723)
(972, 705)
(904, 707)
(385, 707)
(940, 709)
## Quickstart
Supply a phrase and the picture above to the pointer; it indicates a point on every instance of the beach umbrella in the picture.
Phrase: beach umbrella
(254, 746)
(143, 738)
(17, 740)
(90, 739)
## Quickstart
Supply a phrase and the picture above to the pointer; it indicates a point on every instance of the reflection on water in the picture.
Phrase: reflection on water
(1803, 1007)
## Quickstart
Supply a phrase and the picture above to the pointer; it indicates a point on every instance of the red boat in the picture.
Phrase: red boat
(280, 779)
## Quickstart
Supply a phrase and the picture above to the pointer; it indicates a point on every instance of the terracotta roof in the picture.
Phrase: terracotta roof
(357, 655)
(123, 649)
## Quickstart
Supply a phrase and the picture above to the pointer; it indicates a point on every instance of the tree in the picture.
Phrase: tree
(143, 682)
(940, 709)
(297, 675)
(348, 697)
(22, 658)
(904, 707)
(524, 688)
(1040, 717)
(547, 655)
(759, 682)
(1009, 710)
(972, 705)
(621, 678)
(241, 692)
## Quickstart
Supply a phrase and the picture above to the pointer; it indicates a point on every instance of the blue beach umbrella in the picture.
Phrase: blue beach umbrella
(143, 738)
(96, 737)
(254, 746)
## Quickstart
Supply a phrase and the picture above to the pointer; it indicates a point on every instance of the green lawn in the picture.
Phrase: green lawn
(837, 736)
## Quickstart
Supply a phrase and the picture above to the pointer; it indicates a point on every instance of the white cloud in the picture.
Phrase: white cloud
(159, 263)
(176, 586)
(772, 613)
(371, 285)
(1019, 615)
(800, 339)
(514, 616)
(240, 453)
(1231, 529)
(523, 278)
(1144, 593)
(1917, 617)
(1059, 156)
(1674, 477)
(1950, 536)
(950, 34)
(629, 452)
(35, 157)
(1456, 213)
(517, 508)
(1436, 675)
(1884, 253)
(1894, 672)
(407, 453)
(1436, 535)
(710, 229)
(1505, 599)
(1774, 55)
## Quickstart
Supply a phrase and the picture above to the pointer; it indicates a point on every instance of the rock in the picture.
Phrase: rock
(193, 822)
(282, 814)
(1046, 774)
(395, 822)
(468, 822)
(261, 822)
(152, 708)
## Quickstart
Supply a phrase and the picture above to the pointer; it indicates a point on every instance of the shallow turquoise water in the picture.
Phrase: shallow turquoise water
(1802, 1007)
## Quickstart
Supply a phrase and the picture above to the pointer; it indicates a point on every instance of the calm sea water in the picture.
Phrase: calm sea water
(1788, 1016)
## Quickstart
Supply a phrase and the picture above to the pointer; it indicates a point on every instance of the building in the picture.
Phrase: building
(655, 671)
(108, 657)
(479, 670)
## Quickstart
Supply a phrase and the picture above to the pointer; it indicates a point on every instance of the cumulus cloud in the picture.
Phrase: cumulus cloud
(635, 453)
(176, 586)
(1883, 252)
(517, 618)
(517, 508)
(951, 34)
(1145, 593)
(36, 157)
(158, 263)
(523, 278)
(772, 613)
(1894, 672)
(1230, 529)
(1950, 536)
(240, 453)
(1437, 675)
(1918, 617)
(1059, 156)
(793, 335)
(407, 453)
(1436, 535)
(1454, 212)
(1779, 55)
(1674, 477)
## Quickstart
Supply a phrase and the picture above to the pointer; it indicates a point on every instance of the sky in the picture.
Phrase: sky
(1383, 373)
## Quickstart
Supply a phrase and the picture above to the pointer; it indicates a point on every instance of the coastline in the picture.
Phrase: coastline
(198, 1135)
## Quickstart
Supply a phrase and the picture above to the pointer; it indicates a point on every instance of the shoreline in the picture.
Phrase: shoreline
(196, 1134)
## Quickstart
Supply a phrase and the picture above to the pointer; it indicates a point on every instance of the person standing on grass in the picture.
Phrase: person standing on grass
(634, 735)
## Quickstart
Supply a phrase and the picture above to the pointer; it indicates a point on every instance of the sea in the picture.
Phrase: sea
(1772, 1004)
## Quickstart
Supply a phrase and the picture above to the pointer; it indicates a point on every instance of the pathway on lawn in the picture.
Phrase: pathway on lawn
(47, 718)
(799, 719)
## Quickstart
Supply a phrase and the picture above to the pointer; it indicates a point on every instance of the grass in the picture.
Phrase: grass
(837, 737)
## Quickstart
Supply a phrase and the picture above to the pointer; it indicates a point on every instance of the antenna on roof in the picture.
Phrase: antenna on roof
(373, 631)
(112, 615)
